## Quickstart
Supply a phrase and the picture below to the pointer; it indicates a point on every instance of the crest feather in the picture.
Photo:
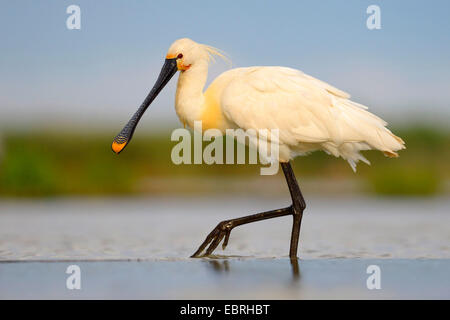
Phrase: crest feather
(212, 52)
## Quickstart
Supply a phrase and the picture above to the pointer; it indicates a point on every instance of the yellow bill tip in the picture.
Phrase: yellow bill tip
(117, 147)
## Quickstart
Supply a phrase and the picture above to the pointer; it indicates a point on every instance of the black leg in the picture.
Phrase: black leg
(298, 206)
(223, 229)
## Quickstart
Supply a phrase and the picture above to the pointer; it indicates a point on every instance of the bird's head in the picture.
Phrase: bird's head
(187, 53)
(182, 55)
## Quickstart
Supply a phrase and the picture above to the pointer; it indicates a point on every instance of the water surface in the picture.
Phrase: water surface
(139, 248)
(172, 228)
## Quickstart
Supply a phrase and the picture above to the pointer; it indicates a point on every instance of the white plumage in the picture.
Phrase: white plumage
(307, 114)
(310, 114)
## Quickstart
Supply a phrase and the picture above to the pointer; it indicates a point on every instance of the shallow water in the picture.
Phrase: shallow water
(139, 248)
(172, 228)
(228, 279)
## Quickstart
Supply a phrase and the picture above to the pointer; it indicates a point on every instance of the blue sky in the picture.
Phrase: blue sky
(102, 72)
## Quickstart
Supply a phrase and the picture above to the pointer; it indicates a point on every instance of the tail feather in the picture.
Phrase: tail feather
(361, 130)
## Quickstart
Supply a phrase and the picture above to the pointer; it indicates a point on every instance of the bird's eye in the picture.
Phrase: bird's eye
(180, 56)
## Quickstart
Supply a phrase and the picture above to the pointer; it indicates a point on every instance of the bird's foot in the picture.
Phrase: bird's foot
(221, 231)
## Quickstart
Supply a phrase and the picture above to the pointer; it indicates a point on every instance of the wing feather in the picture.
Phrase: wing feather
(306, 111)
(282, 98)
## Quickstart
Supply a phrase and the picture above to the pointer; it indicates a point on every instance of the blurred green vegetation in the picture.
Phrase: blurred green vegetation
(65, 163)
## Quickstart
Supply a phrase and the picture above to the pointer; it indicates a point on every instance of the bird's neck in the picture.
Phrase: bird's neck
(189, 99)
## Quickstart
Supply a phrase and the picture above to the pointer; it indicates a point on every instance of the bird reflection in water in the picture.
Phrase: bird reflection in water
(295, 269)
(220, 265)
(223, 265)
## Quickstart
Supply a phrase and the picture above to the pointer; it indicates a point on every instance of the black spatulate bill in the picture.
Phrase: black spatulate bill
(124, 137)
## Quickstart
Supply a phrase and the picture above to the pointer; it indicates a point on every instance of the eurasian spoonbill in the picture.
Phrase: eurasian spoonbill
(309, 114)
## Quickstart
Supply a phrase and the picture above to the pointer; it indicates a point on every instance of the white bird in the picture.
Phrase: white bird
(310, 115)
